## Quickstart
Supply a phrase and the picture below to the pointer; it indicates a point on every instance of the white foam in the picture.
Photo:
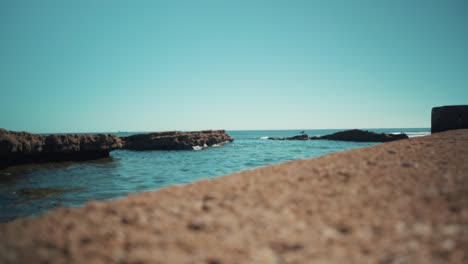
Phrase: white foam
(197, 148)
(413, 134)
(263, 138)
(220, 144)
(417, 134)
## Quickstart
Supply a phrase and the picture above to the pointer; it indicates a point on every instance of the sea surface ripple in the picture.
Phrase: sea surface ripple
(30, 190)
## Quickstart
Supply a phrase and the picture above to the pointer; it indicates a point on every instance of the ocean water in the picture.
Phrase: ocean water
(29, 190)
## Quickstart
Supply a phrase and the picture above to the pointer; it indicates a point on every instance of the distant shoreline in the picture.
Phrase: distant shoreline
(241, 130)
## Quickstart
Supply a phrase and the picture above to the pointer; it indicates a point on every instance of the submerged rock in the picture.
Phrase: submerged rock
(357, 135)
(176, 140)
(22, 147)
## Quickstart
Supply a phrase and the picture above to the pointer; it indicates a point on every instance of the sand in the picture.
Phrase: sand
(399, 202)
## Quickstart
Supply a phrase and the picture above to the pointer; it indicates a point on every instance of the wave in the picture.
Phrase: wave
(264, 138)
(200, 147)
(206, 146)
(220, 144)
(413, 134)
(418, 134)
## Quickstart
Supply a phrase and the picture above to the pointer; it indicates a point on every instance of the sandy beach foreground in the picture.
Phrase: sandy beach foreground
(399, 202)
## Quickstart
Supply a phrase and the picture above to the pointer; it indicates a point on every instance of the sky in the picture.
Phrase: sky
(95, 66)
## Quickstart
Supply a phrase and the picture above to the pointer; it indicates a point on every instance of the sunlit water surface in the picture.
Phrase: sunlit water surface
(33, 189)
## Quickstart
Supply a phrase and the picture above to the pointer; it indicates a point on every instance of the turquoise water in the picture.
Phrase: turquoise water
(34, 189)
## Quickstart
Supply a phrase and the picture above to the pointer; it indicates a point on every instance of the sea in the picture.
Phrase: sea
(31, 190)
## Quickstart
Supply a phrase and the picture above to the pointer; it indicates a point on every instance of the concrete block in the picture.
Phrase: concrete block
(449, 118)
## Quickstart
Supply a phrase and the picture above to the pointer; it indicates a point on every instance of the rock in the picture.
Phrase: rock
(298, 137)
(357, 135)
(449, 118)
(276, 138)
(22, 147)
(176, 140)
(349, 135)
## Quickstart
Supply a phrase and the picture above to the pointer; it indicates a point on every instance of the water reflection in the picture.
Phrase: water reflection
(30, 189)
(38, 193)
(7, 175)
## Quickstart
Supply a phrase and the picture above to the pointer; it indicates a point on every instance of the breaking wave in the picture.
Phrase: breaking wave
(413, 134)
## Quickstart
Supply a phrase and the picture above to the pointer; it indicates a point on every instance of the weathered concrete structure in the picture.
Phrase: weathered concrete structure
(449, 118)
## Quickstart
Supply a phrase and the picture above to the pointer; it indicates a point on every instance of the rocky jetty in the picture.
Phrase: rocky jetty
(357, 135)
(22, 147)
(176, 140)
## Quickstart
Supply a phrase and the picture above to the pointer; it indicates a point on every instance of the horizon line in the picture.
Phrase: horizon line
(183, 130)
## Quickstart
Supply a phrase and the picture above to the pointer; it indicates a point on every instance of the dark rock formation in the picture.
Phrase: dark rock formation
(298, 137)
(22, 147)
(176, 140)
(449, 118)
(357, 135)
(350, 135)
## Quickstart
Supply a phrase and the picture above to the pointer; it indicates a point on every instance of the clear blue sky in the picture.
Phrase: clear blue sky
(88, 66)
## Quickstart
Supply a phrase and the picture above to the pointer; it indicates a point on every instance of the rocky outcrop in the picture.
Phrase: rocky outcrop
(298, 137)
(22, 147)
(176, 140)
(449, 118)
(357, 135)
